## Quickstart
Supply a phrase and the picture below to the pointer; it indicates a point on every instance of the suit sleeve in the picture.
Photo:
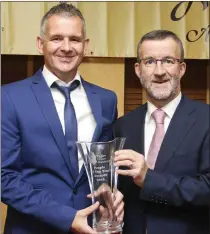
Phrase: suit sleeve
(164, 188)
(114, 115)
(18, 193)
(115, 111)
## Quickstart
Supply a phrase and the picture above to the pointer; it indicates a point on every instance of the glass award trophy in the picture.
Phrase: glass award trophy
(98, 160)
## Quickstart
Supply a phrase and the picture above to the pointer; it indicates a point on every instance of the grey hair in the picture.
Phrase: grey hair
(160, 35)
(62, 9)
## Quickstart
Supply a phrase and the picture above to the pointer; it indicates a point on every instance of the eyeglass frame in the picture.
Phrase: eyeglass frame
(156, 60)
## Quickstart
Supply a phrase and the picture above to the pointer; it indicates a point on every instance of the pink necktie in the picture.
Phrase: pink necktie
(159, 116)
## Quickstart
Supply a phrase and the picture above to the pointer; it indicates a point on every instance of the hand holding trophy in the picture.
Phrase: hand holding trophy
(98, 160)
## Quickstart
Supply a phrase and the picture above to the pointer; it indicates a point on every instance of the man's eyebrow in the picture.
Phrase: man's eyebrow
(59, 35)
(148, 57)
(55, 35)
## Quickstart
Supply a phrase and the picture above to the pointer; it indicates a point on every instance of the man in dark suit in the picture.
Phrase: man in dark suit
(44, 182)
(165, 169)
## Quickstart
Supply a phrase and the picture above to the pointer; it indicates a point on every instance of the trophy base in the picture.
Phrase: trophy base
(108, 228)
(109, 232)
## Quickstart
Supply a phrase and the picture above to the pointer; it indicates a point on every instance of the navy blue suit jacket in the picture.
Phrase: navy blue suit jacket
(175, 198)
(37, 184)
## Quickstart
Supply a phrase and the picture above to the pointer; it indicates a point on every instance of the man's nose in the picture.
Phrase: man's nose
(159, 69)
(66, 45)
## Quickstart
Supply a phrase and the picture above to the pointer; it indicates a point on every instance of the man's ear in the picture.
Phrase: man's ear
(137, 69)
(182, 69)
(39, 44)
(86, 46)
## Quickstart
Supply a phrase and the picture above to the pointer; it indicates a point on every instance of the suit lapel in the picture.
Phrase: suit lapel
(45, 101)
(138, 130)
(95, 105)
(179, 127)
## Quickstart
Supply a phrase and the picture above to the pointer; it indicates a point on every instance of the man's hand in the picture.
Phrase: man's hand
(114, 205)
(80, 224)
(119, 206)
(136, 164)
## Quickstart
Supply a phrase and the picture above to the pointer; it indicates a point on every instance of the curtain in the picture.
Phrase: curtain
(114, 28)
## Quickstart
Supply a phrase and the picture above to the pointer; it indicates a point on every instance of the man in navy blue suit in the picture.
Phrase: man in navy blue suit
(165, 171)
(43, 194)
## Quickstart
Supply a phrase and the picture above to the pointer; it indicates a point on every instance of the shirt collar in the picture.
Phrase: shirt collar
(51, 78)
(169, 108)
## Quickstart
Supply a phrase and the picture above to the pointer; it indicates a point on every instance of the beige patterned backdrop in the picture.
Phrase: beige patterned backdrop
(114, 28)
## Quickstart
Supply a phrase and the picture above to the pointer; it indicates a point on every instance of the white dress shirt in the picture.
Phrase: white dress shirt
(149, 126)
(86, 123)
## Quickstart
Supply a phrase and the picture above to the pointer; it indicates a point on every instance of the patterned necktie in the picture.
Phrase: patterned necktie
(70, 125)
(159, 116)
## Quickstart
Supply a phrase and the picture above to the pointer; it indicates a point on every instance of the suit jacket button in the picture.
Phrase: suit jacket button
(75, 191)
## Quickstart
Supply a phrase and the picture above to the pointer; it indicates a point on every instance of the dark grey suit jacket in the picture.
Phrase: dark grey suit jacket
(175, 198)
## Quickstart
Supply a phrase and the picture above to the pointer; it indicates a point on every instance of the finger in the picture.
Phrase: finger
(90, 209)
(118, 198)
(104, 212)
(119, 209)
(108, 198)
(101, 209)
(127, 163)
(125, 151)
(128, 154)
(120, 217)
(126, 172)
(125, 156)
(95, 194)
(103, 189)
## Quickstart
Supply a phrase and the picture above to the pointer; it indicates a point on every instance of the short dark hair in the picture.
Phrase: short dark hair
(63, 9)
(160, 35)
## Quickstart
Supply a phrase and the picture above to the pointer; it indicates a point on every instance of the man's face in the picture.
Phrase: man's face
(63, 46)
(161, 81)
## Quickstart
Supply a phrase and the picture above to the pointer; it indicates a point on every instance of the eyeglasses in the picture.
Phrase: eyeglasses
(167, 62)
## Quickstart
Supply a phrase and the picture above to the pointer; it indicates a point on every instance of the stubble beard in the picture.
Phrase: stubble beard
(159, 93)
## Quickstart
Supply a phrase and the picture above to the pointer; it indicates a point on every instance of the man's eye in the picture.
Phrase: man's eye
(168, 61)
(149, 62)
(56, 39)
(75, 39)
